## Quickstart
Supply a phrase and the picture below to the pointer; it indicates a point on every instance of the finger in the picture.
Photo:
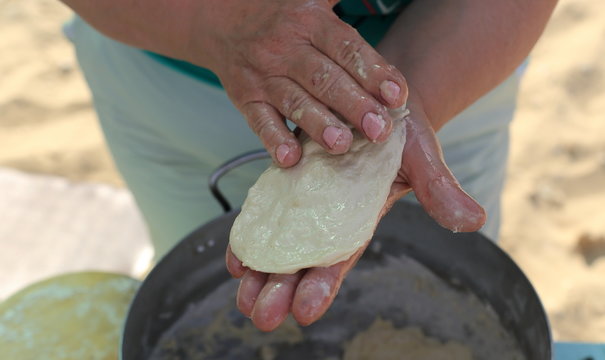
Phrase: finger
(318, 288)
(273, 303)
(434, 184)
(348, 49)
(249, 288)
(333, 86)
(309, 114)
(234, 266)
(270, 127)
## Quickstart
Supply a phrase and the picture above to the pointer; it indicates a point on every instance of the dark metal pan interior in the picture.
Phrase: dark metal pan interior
(195, 269)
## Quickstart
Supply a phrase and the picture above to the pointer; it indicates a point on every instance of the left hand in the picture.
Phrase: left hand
(268, 298)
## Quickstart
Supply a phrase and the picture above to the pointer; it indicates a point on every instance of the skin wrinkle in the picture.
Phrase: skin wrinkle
(321, 76)
(286, 104)
(351, 53)
(326, 85)
(264, 123)
(297, 99)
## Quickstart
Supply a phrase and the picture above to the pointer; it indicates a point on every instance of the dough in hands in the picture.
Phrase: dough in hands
(322, 210)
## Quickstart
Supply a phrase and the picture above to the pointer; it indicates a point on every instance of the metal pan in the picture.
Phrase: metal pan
(194, 270)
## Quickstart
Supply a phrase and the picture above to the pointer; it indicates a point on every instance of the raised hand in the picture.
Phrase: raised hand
(295, 59)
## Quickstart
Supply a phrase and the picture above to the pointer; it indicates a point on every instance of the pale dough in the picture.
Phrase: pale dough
(383, 341)
(320, 211)
(71, 316)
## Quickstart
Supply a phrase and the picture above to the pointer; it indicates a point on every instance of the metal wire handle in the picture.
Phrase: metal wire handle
(228, 166)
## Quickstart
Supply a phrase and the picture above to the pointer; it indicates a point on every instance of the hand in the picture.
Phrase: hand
(295, 59)
(268, 298)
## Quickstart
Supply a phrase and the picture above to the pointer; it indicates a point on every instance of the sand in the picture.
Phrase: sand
(553, 217)
(47, 124)
(554, 202)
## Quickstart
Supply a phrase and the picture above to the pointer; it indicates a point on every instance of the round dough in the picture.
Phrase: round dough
(320, 211)
(73, 316)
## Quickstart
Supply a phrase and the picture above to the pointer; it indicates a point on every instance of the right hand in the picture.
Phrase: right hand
(296, 59)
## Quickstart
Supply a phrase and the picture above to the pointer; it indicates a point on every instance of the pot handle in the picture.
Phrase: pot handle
(228, 166)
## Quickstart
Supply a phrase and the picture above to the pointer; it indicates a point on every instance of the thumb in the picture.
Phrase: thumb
(434, 185)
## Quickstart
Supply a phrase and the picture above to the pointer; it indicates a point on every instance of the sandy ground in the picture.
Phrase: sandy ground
(554, 222)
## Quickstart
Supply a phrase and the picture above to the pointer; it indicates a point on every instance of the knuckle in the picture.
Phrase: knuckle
(326, 81)
(349, 54)
(259, 119)
(259, 125)
(281, 93)
(270, 135)
(293, 102)
(266, 124)
(349, 51)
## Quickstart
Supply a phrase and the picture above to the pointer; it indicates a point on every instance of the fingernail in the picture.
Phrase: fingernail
(331, 135)
(373, 125)
(281, 152)
(389, 91)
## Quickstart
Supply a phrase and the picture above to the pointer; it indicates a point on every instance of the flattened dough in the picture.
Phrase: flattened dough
(71, 316)
(320, 211)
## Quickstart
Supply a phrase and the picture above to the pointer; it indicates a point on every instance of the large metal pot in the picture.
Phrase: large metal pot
(195, 268)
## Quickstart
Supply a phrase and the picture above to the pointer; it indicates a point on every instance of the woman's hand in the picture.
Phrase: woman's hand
(268, 298)
(295, 59)
(276, 59)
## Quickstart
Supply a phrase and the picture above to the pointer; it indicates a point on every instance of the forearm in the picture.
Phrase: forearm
(453, 52)
(161, 26)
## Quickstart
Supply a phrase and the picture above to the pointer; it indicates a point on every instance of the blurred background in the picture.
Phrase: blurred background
(63, 205)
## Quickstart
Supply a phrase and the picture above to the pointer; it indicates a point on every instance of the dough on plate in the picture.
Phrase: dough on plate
(320, 211)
